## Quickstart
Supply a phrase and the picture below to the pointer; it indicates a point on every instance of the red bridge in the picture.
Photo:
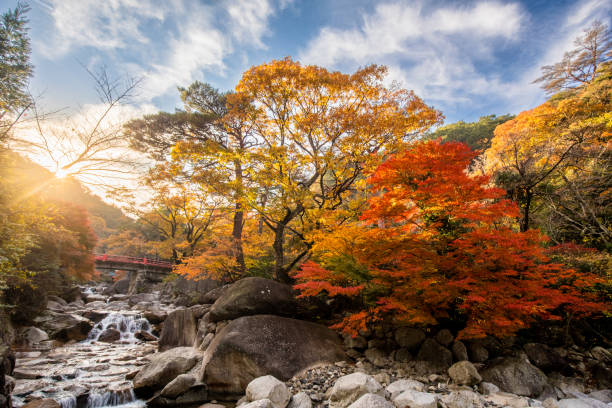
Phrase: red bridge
(106, 261)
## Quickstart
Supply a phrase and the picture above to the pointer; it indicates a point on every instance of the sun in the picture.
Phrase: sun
(61, 173)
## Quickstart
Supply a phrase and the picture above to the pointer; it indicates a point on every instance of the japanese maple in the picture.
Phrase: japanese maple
(436, 242)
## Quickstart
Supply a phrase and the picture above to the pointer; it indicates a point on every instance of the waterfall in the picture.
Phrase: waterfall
(67, 401)
(128, 325)
(111, 398)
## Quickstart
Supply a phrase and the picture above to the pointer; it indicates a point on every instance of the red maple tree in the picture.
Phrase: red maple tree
(436, 242)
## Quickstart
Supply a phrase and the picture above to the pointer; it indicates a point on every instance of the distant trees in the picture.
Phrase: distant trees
(477, 135)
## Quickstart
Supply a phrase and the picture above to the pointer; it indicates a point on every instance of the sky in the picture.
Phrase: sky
(465, 58)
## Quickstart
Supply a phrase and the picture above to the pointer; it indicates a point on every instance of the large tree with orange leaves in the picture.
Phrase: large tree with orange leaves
(436, 243)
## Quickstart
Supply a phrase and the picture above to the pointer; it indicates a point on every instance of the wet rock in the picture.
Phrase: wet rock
(42, 403)
(179, 330)
(144, 336)
(155, 316)
(163, 368)
(415, 399)
(178, 386)
(409, 338)
(109, 336)
(440, 357)
(96, 315)
(253, 346)
(350, 388)
(516, 376)
(268, 387)
(371, 401)
(544, 357)
(253, 296)
(464, 373)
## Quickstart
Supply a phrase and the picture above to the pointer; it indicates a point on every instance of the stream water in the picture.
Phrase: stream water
(90, 373)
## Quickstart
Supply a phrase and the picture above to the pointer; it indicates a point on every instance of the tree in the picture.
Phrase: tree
(318, 131)
(477, 135)
(579, 66)
(15, 68)
(436, 243)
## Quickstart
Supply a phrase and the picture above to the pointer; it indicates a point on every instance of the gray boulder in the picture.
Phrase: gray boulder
(268, 387)
(64, 327)
(544, 357)
(399, 386)
(253, 296)
(444, 337)
(300, 400)
(459, 351)
(109, 336)
(464, 373)
(371, 401)
(264, 403)
(178, 386)
(350, 388)
(179, 330)
(462, 399)
(516, 376)
(415, 399)
(439, 356)
(163, 368)
(254, 346)
(33, 335)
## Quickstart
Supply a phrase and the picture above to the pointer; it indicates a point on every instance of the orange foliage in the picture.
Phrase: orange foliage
(436, 243)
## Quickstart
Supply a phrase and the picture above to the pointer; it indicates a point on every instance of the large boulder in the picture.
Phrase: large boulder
(163, 368)
(254, 346)
(464, 373)
(188, 292)
(350, 388)
(109, 335)
(33, 335)
(371, 401)
(268, 387)
(179, 330)
(64, 327)
(253, 296)
(544, 357)
(122, 286)
(439, 356)
(415, 399)
(409, 338)
(516, 376)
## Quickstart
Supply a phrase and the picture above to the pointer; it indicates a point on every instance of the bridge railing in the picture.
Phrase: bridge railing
(133, 260)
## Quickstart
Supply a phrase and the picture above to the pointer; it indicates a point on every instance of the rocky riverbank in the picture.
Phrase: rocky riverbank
(242, 345)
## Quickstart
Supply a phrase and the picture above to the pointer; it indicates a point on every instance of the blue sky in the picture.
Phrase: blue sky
(466, 58)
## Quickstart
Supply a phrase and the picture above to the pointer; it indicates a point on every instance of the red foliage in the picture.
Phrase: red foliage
(436, 242)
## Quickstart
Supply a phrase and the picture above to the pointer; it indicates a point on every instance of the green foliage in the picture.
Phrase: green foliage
(477, 135)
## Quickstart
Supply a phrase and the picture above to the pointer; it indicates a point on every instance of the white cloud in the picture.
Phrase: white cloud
(249, 19)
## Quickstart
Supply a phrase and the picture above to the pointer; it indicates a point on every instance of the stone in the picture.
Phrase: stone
(602, 395)
(42, 403)
(357, 342)
(444, 337)
(415, 399)
(268, 387)
(459, 351)
(377, 357)
(300, 400)
(350, 388)
(206, 341)
(602, 355)
(121, 286)
(464, 373)
(516, 376)
(409, 338)
(462, 399)
(33, 335)
(163, 368)
(194, 396)
(254, 296)
(505, 399)
(109, 336)
(64, 326)
(144, 336)
(478, 353)
(399, 386)
(440, 357)
(199, 310)
(371, 401)
(544, 357)
(402, 355)
(550, 403)
(179, 330)
(178, 386)
(254, 346)
(486, 388)
(211, 405)
(264, 403)
(573, 403)
(212, 295)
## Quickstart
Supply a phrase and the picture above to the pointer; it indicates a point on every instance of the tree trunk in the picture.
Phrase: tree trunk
(238, 221)
(526, 207)
(280, 274)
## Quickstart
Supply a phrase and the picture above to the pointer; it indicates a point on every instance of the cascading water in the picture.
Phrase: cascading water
(127, 325)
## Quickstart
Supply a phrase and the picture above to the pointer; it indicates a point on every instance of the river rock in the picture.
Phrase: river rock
(192, 397)
(212, 295)
(64, 327)
(253, 296)
(350, 388)
(371, 401)
(33, 335)
(478, 352)
(544, 357)
(179, 330)
(516, 376)
(409, 338)
(109, 336)
(178, 386)
(253, 346)
(415, 399)
(42, 403)
(268, 387)
(464, 373)
(462, 399)
(264, 403)
(459, 351)
(300, 400)
(399, 386)
(163, 368)
(144, 336)
(431, 351)
(444, 337)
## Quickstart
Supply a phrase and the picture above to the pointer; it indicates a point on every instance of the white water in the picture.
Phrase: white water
(97, 399)
(128, 325)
